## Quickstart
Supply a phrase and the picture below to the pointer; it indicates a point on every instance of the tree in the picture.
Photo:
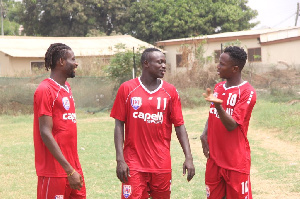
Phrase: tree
(121, 64)
(10, 17)
(154, 20)
(71, 17)
(148, 20)
(56, 18)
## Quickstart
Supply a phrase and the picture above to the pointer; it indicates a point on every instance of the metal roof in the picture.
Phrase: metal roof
(265, 35)
(25, 46)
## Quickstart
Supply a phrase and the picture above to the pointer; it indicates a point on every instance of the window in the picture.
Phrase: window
(254, 54)
(181, 60)
(178, 60)
(36, 65)
(217, 55)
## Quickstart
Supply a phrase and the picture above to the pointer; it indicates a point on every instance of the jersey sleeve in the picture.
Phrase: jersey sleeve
(118, 110)
(43, 101)
(244, 106)
(176, 111)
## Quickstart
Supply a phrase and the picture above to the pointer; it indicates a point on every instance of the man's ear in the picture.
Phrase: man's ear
(61, 61)
(236, 69)
(145, 63)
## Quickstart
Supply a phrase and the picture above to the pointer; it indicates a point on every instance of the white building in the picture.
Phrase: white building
(267, 49)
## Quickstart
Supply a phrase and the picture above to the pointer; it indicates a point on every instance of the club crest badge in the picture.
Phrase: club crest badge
(59, 197)
(66, 103)
(126, 190)
(136, 102)
(216, 95)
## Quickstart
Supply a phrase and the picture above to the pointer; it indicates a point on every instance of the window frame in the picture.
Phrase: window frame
(252, 52)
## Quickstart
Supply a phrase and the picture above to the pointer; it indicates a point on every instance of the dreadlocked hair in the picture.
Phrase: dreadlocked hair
(54, 53)
(238, 55)
(145, 54)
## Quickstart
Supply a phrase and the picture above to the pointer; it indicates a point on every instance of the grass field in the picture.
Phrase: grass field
(274, 137)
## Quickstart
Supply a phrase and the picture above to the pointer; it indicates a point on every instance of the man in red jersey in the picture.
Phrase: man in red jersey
(148, 106)
(224, 139)
(55, 132)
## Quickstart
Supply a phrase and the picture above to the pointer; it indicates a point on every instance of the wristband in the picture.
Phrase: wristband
(71, 173)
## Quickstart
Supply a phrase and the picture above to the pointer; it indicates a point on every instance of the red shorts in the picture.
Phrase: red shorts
(58, 188)
(143, 185)
(222, 182)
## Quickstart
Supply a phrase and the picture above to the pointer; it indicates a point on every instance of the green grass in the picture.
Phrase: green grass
(282, 116)
(97, 153)
(97, 156)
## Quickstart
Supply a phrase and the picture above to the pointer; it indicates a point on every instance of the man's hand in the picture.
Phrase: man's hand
(189, 166)
(122, 171)
(75, 181)
(211, 98)
(205, 146)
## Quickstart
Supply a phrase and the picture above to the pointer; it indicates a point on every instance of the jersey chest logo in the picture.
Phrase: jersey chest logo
(66, 103)
(136, 102)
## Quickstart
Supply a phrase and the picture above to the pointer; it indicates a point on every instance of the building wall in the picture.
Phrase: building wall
(209, 50)
(282, 55)
(4, 64)
(16, 66)
(277, 55)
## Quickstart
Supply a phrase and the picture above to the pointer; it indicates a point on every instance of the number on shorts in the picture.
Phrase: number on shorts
(245, 187)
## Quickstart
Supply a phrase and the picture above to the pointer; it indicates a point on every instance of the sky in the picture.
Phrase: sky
(275, 13)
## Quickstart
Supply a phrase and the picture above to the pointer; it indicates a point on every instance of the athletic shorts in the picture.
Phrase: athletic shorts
(58, 188)
(142, 185)
(222, 182)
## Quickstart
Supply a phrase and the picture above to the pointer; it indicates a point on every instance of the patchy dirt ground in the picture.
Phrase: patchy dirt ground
(264, 188)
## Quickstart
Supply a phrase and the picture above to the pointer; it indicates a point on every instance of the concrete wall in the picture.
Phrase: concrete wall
(277, 55)
(209, 49)
(4, 64)
(282, 55)
(19, 66)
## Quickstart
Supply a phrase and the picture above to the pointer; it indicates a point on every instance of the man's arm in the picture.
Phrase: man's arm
(122, 167)
(185, 145)
(204, 142)
(46, 125)
(229, 123)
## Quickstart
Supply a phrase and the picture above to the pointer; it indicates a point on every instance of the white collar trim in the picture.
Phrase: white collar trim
(244, 82)
(66, 88)
(151, 92)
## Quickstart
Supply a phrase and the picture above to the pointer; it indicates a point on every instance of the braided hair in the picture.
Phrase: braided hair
(146, 53)
(54, 53)
(238, 55)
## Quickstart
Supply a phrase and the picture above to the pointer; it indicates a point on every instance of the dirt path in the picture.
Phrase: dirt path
(280, 188)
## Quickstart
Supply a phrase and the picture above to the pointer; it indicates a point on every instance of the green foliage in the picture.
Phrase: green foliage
(10, 27)
(122, 64)
(10, 17)
(154, 20)
(148, 20)
(71, 18)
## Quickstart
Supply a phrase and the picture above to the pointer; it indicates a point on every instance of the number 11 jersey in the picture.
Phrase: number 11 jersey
(148, 117)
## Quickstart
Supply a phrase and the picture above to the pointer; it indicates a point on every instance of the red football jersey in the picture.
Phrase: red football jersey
(148, 117)
(53, 100)
(230, 149)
